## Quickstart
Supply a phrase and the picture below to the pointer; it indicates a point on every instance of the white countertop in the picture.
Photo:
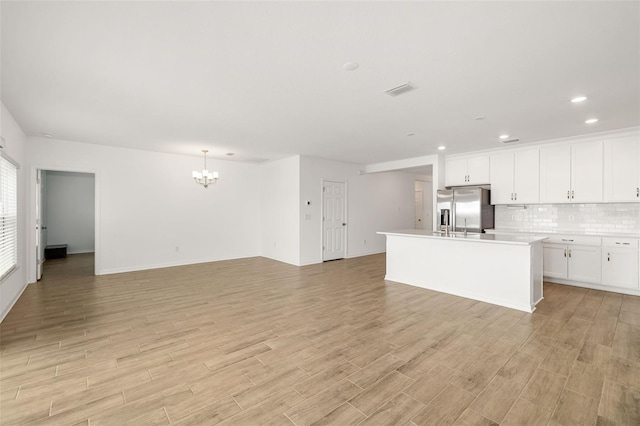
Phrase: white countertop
(561, 232)
(470, 237)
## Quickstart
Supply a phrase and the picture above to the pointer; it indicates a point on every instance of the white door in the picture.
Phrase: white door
(555, 174)
(585, 264)
(527, 177)
(40, 228)
(419, 209)
(586, 172)
(622, 170)
(334, 220)
(620, 267)
(554, 260)
(501, 176)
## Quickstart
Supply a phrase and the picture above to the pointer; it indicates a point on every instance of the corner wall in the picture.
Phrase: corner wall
(279, 219)
(14, 141)
(150, 213)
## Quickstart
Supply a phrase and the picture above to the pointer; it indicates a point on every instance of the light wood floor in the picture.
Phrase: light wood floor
(254, 341)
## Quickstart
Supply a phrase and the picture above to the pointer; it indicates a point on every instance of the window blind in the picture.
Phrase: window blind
(8, 216)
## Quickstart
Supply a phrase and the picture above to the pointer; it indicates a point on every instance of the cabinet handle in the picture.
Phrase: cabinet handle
(624, 244)
(515, 196)
(565, 239)
(638, 192)
(512, 196)
(568, 197)
(572, 197)
(565, 253)
(569, 253)
(608, 257)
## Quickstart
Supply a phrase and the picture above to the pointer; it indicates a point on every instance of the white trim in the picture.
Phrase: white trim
(589, 137)
(175, 264)
(7, 157)
(10, 306)
(608, 288)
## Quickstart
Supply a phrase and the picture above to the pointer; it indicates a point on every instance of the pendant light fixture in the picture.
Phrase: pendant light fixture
(205, 177)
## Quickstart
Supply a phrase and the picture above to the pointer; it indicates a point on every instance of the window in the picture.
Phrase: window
(8, 216)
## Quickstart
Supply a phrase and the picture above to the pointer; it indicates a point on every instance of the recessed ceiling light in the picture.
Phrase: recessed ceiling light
(442, 147)
(230, 154)
(504, 137)
(46, 135)
(579, 99)
(480, 117)
(350, 66)
(591, 121)
(410, 134)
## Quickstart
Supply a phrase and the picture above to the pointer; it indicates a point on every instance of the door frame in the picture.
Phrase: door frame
(32, 258)
(346, 215)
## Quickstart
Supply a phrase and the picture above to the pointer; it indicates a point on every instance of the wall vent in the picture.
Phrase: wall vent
(511, 140)
(403, 88)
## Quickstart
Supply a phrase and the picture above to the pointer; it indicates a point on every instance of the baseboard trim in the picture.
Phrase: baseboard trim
(591, 286)
(4, 314)
(166, 265)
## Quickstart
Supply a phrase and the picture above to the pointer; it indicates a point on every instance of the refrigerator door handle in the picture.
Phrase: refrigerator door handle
(453, 216)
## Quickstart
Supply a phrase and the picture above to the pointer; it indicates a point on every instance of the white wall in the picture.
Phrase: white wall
(280, 199)
(69, 214)
(375, 202)
(14, 141)
(150, 213)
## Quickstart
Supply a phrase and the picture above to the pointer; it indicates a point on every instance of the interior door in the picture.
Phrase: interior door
(419, 209)
(40, 228)
(334, 220)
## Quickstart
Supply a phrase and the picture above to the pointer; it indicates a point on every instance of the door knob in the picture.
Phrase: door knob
(344, 224)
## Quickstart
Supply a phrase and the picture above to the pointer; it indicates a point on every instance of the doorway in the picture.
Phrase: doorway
(65, 217)
(334, 220)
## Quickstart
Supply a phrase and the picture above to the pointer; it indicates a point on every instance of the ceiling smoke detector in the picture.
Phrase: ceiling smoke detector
(510, 140)
(403, 88)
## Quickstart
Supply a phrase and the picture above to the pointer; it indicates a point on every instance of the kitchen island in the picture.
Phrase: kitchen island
(504, 270)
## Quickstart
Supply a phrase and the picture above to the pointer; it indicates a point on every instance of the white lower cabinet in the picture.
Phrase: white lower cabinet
(620, 263)
(572, 262)
(603, 263)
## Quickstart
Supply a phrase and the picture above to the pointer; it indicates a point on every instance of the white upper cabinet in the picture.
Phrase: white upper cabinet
(571, 173)
(467, 171)
(586, 172)
(515, 177)
(622, 169)
(555, 174)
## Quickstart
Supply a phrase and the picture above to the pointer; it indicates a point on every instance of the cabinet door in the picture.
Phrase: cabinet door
(554, 260)
(620, 267)
(527, 176)
(455, 172)
(621, 169)
(478, 170)
(586, 172)
(584, 264)
(555, 174)
(501, 176)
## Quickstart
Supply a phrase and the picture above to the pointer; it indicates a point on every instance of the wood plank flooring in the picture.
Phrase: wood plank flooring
(254, 341)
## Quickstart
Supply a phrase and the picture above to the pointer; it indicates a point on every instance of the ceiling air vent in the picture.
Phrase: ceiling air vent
(511, 140)
(403, 88)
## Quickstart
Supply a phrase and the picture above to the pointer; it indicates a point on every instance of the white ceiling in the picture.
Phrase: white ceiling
(265, 80)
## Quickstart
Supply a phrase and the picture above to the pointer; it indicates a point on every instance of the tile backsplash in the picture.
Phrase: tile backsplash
(621, 218)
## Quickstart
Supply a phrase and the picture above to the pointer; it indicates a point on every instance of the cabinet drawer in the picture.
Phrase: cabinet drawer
(621, 242)
(571, 240)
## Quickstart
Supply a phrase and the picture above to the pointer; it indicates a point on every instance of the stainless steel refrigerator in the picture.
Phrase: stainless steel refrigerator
(465, 208)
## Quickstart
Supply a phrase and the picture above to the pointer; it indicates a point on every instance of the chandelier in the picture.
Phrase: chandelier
(205, 177)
